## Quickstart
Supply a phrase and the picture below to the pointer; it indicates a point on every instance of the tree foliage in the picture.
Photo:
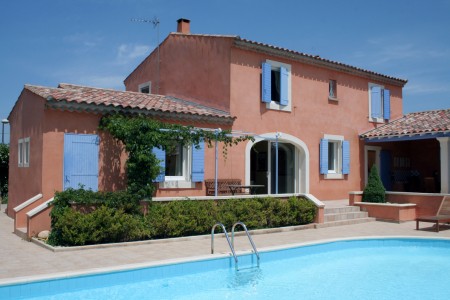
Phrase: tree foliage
(140, 134)
(4, 163)
(374, 190)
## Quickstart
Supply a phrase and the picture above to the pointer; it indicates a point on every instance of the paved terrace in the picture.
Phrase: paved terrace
(23, 259)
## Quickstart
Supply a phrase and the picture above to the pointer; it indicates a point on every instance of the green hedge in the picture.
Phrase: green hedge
(116, 220)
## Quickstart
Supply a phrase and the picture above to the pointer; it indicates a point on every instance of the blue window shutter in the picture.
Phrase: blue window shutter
(284, 75)
(198, 163)
(161, 156)
(345, 157)
(386, 104)
(375, 105)
(323, 156)
(81, 155)
(266, 83)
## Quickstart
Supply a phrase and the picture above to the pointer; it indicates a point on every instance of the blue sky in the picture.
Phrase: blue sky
(94, 42)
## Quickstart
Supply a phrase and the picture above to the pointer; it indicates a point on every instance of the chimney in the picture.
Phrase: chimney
(184, 26)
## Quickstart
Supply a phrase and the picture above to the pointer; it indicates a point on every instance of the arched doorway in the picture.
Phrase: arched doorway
(293, 164)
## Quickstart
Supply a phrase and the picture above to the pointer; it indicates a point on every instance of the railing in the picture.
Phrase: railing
(228, 240)
(248, 235)
(231, 244)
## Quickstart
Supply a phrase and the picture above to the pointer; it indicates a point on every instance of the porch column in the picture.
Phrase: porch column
(445, 164)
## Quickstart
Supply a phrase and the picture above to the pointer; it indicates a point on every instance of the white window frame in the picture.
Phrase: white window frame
(24, 152)
(375, 120)
(338, 140)
(275, 65)
(144, 85)
(335, 98)
(184, 181)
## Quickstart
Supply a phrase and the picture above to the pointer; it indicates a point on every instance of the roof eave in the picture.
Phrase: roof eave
(108, 109)
(311, 60)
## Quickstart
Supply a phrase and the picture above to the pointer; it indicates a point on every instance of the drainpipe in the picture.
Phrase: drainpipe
(216, 162)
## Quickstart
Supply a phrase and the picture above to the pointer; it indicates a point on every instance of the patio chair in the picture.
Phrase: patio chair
(442, 216)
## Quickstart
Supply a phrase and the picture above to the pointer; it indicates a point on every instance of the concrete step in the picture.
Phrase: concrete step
(345, 216)
(21, 232)
(345, 222)
(344, 209)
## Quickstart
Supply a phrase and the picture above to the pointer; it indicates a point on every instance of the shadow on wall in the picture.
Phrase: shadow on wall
(112, 164)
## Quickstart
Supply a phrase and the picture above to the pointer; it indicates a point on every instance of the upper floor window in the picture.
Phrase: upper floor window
(145, 87)
(332, 90)
(334, 156)
(276, 85)
(24, 152)
(379, 103)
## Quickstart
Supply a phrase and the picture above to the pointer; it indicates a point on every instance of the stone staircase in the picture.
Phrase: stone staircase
(347, 215)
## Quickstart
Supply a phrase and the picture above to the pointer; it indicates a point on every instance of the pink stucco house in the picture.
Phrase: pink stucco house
(318, 125)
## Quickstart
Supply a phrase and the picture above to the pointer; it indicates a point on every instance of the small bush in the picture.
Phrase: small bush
(374, 190)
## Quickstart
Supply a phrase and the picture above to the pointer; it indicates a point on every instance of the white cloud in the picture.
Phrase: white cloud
(84, 40)
(127, 53)
(426, 88)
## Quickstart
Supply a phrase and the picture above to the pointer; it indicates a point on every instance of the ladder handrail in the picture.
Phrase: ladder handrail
(228, 240)
(248, 235)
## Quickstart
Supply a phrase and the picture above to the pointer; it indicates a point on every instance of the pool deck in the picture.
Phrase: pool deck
(22, 260)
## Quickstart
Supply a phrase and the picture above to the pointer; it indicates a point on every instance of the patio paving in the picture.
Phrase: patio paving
(23, 259)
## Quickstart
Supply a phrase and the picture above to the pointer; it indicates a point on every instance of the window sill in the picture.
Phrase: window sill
(376, 120)
(277, 106)
(333, 99)
(333, 176)
(177, 184)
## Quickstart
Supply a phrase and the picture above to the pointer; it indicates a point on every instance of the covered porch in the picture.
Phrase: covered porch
(412, 153)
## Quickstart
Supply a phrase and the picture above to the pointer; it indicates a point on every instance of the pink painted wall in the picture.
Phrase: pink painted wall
(192, 68)
(312, 114)
(26, 121)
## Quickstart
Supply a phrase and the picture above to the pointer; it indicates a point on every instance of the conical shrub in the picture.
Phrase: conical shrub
(374, 190)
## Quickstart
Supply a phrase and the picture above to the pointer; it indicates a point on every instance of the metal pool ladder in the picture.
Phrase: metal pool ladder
(231, 244)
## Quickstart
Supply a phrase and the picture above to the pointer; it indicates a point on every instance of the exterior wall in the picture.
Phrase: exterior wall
(312, 114)
(192, 68)
(26, 120)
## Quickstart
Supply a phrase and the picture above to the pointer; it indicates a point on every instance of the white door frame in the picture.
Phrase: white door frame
(301, 159)
(377, 150)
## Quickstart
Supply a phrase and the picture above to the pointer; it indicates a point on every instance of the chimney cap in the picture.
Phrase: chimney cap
(182, 20)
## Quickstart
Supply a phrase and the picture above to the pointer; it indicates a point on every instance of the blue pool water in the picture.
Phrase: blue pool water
(357, 269)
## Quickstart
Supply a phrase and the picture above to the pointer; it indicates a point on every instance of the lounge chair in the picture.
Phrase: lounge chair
(442, 216)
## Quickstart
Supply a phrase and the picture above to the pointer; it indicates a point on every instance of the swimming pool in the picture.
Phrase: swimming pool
(394, 268)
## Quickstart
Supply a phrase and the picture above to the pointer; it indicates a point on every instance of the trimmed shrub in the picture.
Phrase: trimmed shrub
(183, 218)
(103, 225)
(374, 190)
(81, 217)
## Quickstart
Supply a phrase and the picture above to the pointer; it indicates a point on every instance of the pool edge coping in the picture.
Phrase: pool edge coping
(166, 262)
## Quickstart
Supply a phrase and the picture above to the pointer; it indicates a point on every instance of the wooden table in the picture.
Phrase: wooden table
(251, 187)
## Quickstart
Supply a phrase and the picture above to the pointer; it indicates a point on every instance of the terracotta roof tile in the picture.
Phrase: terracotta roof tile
(434, 121)
(92, 99)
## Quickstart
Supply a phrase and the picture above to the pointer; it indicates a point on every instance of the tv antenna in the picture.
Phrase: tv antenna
(155, 22)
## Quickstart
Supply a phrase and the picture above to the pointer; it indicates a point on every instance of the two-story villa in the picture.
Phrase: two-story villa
(306, 113)
(316, 109)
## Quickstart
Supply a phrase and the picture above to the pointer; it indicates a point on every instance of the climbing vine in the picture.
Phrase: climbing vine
(140, 134)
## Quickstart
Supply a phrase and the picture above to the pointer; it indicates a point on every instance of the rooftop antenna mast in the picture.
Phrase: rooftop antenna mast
(155, 22)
